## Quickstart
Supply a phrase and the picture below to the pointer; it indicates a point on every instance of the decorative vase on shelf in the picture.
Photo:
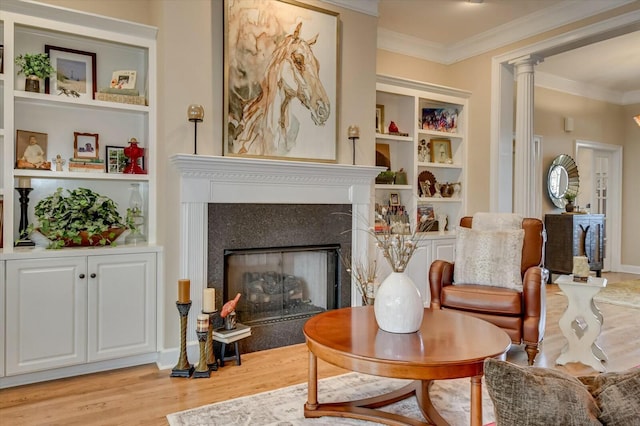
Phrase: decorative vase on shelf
(398, 304)
(442, 223)
(32, 84)
(135, 216)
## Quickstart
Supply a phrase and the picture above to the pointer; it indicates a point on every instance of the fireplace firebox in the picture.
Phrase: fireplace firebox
(282, 283)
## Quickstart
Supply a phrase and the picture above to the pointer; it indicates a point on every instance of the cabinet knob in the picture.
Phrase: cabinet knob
(93, 275)
(81, 276)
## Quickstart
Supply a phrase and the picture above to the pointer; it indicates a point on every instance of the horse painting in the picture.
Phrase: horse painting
(267, 126)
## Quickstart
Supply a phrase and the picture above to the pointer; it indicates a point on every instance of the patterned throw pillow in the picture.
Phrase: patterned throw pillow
(489, 258)
(532, 396)
(618, 396)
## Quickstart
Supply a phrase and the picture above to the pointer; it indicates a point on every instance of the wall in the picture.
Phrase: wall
(630, 192)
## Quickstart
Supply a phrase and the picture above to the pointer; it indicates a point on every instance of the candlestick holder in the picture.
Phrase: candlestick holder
(353, 141)
(202, 370)
(183, 368)
(210, 354)
(24, 240)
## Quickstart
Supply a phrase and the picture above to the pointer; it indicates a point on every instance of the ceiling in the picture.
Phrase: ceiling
(448, 31)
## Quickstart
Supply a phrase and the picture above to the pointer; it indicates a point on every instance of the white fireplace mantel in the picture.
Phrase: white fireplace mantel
(214, 179)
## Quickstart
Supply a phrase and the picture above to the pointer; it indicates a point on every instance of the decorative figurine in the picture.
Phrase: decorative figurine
(59, 162)
(393, 127)
(229, 307)
(133, 152)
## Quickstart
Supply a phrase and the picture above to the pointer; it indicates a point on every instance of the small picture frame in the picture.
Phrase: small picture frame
(75, 72)
(115, 159)
(85, 146)
(441, 151)
(394, 199)
(31, 150)
(123, 79)
(379, 118)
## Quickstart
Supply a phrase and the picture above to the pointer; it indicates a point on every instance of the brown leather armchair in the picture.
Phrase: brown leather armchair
(521, 315)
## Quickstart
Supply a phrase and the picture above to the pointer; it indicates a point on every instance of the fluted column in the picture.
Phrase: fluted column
(524, 188)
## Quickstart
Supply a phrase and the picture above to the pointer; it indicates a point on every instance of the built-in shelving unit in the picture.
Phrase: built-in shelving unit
(106, 315)
(403, 102)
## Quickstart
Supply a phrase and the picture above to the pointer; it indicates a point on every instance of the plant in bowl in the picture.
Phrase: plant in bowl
(386, 177)
(80, 217)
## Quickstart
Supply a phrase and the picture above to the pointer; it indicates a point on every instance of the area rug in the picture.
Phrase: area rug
(284, 407)
(624, 293)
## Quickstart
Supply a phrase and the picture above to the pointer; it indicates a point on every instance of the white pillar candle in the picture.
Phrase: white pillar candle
(202, 323)
(24, 182)
(209, 300)
(354, 131)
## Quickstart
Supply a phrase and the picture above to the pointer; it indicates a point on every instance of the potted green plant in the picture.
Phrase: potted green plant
(79, 218)
(386, 177)
(570, 197)
(34, 67)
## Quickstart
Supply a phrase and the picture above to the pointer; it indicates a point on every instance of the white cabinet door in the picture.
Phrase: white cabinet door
(418, 271)
(46, 314)
(2, 316)
(444, 249)
(122, 308)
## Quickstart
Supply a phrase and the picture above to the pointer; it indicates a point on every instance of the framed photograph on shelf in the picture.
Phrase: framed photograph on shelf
(115, 159)
(85, 146)
(383, 155)
(441, 151)
(75, 72)
(297, 55)
(394, 199)
(123, 80)
(379, 118)
(426, 219)
(440, 119)
(31, 150)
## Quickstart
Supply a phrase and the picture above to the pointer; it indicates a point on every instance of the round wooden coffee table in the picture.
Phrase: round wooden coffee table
(448, 345)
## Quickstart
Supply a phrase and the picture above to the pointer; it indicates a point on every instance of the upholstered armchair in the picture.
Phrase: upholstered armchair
(520, 311)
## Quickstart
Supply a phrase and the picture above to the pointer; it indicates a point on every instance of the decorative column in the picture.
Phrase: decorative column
(524, 186)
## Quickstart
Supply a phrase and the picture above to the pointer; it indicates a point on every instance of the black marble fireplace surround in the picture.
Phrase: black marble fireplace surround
(234, 226)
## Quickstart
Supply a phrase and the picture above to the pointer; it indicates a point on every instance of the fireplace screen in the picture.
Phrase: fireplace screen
(282, 283)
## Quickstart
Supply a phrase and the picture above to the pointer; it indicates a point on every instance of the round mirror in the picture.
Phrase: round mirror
(562, 179)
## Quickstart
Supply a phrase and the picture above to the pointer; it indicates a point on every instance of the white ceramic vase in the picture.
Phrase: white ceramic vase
(398, 306)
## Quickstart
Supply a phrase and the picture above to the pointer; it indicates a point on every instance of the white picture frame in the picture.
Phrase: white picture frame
(124, 79)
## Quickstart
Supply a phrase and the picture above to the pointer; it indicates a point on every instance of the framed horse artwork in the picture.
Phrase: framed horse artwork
(281, 80)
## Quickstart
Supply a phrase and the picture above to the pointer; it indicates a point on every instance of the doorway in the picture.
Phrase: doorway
(600, 168)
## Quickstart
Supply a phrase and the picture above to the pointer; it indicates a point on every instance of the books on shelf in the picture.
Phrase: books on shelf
(92, 166)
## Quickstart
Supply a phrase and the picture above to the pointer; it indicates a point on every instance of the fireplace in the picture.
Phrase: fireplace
(206, 181)
(255, 248)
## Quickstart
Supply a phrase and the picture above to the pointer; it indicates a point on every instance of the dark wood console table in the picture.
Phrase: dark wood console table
(571, 235)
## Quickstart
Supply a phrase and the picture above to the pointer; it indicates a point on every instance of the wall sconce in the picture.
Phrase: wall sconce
(195, 114)
(637, 119)
(354, 133)
(568, 124)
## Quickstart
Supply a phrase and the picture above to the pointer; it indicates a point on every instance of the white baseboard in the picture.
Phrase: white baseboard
(168, 358)
(76, 370)
(630, 269)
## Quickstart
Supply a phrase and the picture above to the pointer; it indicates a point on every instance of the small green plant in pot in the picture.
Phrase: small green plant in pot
(80, 217)
(34, 67)
(570, 197)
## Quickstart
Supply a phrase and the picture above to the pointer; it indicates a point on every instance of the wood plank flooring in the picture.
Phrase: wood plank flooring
(144, 396)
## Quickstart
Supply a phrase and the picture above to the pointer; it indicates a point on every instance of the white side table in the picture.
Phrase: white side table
(581, 322)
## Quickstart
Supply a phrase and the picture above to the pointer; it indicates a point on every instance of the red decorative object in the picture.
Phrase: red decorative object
(133, 152)
(393, 127)
(229, 307)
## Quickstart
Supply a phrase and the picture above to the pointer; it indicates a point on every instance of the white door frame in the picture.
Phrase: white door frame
(614, 198)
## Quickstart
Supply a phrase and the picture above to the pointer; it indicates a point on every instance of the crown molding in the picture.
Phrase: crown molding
(511, 32)
(368, 7)
(572, 87)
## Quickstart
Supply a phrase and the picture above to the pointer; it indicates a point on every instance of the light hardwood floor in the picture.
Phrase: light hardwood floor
(144, 396)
